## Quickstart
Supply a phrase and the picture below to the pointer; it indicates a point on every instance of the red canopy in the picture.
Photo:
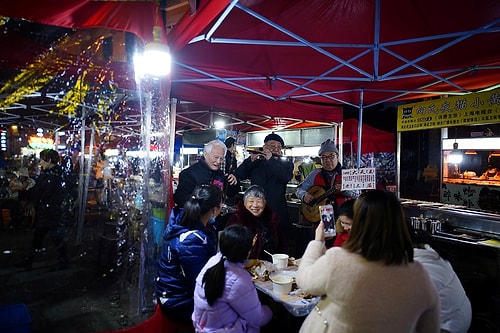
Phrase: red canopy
(305, 58)
(137, 17)
(373, 140)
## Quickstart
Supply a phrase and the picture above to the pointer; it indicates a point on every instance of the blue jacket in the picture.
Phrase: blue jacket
(184, 254)
(238, 310)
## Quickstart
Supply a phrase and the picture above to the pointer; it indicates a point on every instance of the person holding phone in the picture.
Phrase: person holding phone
(371, 283)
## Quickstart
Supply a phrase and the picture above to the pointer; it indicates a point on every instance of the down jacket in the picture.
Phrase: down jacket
(238, 310)
(184, 254)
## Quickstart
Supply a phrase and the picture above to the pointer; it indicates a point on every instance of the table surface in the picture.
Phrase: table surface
(295, 304)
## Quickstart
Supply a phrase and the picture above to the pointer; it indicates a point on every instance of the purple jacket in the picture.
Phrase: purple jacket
(237, 311)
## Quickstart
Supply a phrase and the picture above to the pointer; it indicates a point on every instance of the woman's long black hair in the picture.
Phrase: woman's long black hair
(204, 198)
(235, 243)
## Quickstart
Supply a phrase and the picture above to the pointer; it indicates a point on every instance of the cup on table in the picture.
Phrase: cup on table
(282, 284)
(280, 260)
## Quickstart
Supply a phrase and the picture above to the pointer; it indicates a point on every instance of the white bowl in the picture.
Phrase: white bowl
(282, 284)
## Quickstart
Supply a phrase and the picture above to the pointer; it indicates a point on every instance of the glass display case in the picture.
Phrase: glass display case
(471, 173)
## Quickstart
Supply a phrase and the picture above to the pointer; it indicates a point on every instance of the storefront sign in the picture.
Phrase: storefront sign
(471, 109)
(358, 179)
(36, 142)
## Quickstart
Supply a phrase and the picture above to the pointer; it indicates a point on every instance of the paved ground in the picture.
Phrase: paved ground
(84, 298)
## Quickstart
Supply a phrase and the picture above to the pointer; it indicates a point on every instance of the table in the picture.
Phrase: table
(293, 302)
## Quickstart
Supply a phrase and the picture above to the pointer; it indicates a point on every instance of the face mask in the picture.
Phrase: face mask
(212, 220)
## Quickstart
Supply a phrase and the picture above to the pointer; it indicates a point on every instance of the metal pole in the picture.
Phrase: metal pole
(360, 127)
(83, 180)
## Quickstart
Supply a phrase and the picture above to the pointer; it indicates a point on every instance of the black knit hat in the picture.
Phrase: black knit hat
(275, 137)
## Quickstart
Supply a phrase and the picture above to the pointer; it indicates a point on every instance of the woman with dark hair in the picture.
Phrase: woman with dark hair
(225, 299)
(343, 225)
(456, 311)
(261, 220)
(189, 241)
(371, 283)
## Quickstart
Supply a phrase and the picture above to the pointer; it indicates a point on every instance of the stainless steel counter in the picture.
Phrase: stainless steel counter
(457, 219)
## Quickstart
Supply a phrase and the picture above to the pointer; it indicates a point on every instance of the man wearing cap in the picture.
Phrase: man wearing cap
(272, 173)
(329, 176)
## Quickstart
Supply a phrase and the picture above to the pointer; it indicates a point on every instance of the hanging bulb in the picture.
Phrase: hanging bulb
(455, 156)
(156, 58)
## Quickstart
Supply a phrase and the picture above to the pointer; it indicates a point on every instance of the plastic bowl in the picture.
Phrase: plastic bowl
(282, 284)
(280, 260)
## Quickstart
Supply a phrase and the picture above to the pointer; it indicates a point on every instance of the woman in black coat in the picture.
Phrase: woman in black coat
(261, 220)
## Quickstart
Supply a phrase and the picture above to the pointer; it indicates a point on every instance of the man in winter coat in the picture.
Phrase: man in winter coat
(329, 176)
(206, 171)
(48, 197)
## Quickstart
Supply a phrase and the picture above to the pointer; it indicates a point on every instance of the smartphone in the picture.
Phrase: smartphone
(326, 213)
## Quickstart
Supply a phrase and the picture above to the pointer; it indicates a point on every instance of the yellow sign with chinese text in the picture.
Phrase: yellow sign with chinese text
(466, 110)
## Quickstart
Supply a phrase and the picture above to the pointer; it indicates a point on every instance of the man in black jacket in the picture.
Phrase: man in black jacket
(206, 171)
(48, 197)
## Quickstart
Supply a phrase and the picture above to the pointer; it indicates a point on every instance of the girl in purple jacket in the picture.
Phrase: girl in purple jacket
(225, 299)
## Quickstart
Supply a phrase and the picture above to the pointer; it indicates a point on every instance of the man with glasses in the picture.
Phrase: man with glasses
(328, 177)
(270, 171)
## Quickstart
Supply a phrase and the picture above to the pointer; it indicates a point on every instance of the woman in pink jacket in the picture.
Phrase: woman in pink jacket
(371, 284)
(225, 299)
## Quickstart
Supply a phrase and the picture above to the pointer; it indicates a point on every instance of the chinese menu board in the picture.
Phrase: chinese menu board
(470, 109)
(358, 179)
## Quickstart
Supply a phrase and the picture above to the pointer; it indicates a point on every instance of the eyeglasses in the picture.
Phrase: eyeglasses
(329, 157)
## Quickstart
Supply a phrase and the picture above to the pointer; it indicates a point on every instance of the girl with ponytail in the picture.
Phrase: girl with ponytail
(225, 298)
(189, 241)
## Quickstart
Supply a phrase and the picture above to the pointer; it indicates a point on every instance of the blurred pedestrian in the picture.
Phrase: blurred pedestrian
(230, 163)
(22, 208)
(225, 299)
(189, 241)
(371, 283)
(48, 195)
